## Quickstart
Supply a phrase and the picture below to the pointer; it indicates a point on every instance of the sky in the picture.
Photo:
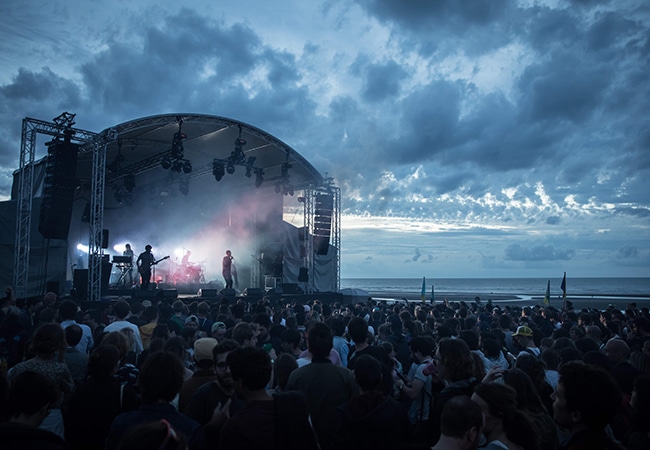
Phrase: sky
(469, 138)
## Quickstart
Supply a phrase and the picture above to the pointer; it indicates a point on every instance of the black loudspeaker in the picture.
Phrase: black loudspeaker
(291, 288)
(58, 190)
(167, 293)
(52, 286)
(207, 292)
(321, 245)
(303, 275)
(80, 284)
(104, 238)
(227, 292)
(253, 292)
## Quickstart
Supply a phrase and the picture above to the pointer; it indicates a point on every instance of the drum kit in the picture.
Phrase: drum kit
(191, 273)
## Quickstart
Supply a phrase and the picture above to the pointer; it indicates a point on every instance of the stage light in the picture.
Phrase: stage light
(166, 163)
(129, 182)
(187, 166)
(177, 166)
(217, 170)
(230, 168)
(82, 248)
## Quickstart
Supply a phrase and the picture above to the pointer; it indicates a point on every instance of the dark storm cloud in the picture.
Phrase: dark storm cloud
(380, 81)
(516, 252)
(431, 26)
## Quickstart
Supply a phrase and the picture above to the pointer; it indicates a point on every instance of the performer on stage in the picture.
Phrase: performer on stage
(128, 251)
(186, 259)
(145, 261)
(226, 269)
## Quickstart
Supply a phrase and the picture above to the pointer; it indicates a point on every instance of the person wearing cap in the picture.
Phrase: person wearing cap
(204, 372)
(523, 337)
(218, 331)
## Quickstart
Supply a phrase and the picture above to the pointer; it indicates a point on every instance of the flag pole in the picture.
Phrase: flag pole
(563, 287)
(423, 294)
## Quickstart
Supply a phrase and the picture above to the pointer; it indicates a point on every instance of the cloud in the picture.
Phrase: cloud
(515, 252)
(628, 252)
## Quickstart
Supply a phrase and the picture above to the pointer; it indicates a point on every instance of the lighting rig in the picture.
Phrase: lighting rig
(283, 185)
(176, 161)
(221, 167)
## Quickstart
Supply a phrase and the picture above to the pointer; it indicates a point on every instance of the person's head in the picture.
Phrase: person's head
(263, 323)
(462, 419)
(219, 355)
(228, 252)
(617, 351)
(73, 334)
(320, 340)
(121, 309)
(358, 330)
(250, 368)
(103, 361)
(147, 248)
(30, 397)
(118, 340)
(68, 310)
(161, 377)
(244, 334)
(367, 373)
(523, 336)
(290, 340)
(48, 341)
(422, 347)
(586, 396)
(455, 361)
(218, 331)
(282, 368)
(158, 435)
(128, 246)
(498, 402)
(527, 397)
(203, 352)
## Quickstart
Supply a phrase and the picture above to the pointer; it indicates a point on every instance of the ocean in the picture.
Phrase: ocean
(632, 287)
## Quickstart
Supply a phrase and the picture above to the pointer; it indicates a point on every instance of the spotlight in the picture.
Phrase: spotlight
(177, 145)
(129, 182)
(166, 163)
(230, 168)
(217, 170)
(177, 166)
(187, 166)
(259, 177)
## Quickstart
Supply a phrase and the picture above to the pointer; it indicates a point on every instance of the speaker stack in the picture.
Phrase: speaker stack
(58, 189)
(323, 207)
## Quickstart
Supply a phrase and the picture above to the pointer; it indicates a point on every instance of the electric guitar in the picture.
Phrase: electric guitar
(142, 269)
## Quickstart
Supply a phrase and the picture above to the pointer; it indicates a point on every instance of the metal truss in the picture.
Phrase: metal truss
(30, 128)
(335, 237)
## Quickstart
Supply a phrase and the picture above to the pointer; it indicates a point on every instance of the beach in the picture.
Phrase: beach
(581, 292)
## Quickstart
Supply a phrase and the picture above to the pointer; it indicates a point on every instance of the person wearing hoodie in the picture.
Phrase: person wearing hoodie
(370, 420)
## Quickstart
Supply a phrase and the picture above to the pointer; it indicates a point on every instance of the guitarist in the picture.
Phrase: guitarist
(145, 262)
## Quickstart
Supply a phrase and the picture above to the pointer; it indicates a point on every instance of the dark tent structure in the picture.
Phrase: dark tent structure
(186, 184)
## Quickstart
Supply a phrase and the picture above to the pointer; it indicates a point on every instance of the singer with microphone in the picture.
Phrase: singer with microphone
(227, 269)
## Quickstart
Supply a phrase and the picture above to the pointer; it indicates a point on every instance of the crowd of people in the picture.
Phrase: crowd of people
(179, 374)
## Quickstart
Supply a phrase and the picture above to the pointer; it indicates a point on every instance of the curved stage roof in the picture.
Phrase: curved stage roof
(143, 143)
